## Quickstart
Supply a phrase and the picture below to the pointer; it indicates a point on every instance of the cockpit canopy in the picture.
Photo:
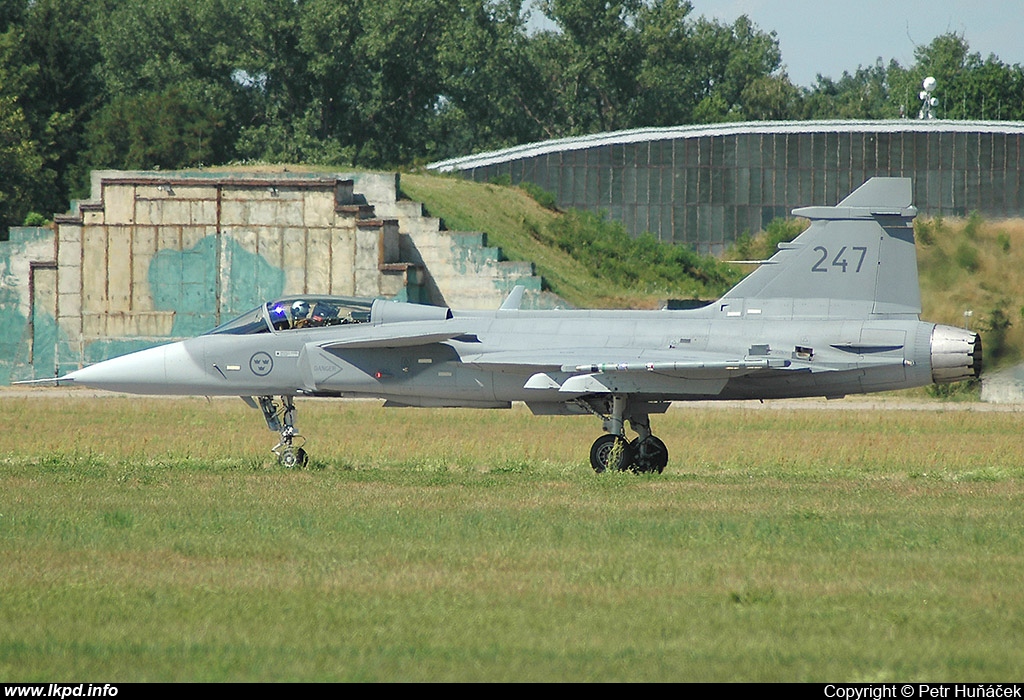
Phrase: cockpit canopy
(298, 312)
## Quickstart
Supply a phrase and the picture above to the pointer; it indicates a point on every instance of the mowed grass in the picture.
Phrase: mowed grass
(157, 540)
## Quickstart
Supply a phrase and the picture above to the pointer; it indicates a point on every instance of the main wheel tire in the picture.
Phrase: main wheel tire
(610, 452)
(649, 454)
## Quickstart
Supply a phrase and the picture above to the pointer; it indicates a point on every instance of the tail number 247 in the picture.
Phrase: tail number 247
(843, 261)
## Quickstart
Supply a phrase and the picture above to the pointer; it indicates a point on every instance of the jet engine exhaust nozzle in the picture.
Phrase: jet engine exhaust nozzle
(956, 354)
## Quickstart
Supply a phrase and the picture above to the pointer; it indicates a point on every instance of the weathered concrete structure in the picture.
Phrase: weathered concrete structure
(157, 256)
(704, 186)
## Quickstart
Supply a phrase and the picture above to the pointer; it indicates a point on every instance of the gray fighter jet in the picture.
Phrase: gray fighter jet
(835, 312)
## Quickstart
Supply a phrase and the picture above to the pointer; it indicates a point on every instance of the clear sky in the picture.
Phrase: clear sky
(830, 36)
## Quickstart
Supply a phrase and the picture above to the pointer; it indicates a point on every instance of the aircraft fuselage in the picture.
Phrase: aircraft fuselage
(480, 367)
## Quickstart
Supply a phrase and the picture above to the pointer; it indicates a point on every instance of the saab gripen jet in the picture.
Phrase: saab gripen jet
(834, 312)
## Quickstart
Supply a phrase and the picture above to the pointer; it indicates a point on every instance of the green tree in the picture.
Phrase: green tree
(592, 63)
(12, 12)
(155, 130)
(48, 58)
(969, 87)
(21, 165)
(273, 72)
(186, 58)
(374, 77)
(662, 96)
(302, 100)
(24, 179)
(618, 65)
(491, 90)
(738, 73)
(864, 94)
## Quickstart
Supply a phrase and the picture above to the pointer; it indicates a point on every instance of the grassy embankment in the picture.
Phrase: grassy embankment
(155, 540)
(590, 262)
(975, 266)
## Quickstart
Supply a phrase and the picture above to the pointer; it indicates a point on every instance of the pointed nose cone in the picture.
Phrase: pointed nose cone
(167, 369)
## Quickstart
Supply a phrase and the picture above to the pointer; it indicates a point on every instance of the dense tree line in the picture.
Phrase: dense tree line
(90, 84)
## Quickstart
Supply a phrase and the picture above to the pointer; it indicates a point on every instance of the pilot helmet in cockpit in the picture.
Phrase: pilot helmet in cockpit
(300, 310)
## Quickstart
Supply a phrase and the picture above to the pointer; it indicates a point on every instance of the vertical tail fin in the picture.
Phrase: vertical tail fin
(857, 259)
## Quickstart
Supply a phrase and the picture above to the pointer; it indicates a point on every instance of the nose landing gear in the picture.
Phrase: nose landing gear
(281, 419)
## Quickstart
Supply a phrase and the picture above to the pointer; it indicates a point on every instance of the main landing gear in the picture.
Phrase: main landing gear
(281, 419)
(645, 453)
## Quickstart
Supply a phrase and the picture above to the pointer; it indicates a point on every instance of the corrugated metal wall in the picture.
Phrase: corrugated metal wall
(705, 189)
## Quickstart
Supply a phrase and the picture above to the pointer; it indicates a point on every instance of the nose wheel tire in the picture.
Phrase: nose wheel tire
(611, 452)
(293, 458)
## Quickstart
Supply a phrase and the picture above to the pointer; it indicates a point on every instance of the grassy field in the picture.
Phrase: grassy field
(156, 540)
